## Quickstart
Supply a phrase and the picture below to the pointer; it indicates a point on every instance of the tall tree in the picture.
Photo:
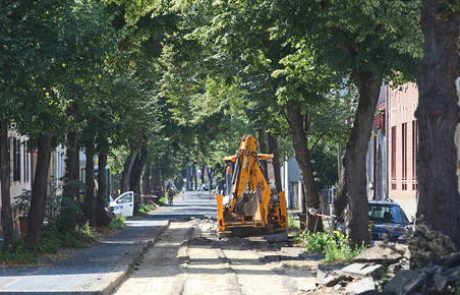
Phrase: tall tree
(7, 216)
(364, 42)
(437, 117)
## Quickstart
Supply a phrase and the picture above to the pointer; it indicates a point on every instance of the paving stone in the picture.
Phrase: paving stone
(361, 286)
(361, 269)
(292, 251)
(405, 281)
(380, 253)
(328, 279)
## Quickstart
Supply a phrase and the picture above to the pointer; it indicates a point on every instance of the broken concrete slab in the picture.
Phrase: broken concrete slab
(440, 282)
(381, 253)
(328, 279)
(292, 251)
(311, 256)
(303, 265)
(361, 269)
(405, 281)
(361, 286)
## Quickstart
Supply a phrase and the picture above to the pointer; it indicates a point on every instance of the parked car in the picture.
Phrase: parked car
(388, 221)
(123, 204)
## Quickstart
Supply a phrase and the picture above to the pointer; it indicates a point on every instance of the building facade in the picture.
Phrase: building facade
(23, 161)
(292, 184)
(402, 146)
(20, 164)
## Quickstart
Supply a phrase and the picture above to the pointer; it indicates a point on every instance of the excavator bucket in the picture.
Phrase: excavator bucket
(252, 207)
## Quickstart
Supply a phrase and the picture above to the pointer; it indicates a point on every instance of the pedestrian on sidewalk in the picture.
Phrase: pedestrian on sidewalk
(170, 193)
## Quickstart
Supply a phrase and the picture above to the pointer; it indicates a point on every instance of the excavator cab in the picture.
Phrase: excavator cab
(252, 206)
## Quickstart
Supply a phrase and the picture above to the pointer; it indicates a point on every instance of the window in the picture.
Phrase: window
(16, 160)
(26, 161)
(379, 213)
(393, 158)
(404, 155)
(128, 198)
(414, 154)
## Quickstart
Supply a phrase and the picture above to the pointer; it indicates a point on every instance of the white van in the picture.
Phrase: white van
(123, 204)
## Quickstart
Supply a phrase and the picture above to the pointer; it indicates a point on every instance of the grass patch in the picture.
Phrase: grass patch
(52, 241)
(163, 200)
(146, 208)
(118, 222)
(336, 247)
(20, 255)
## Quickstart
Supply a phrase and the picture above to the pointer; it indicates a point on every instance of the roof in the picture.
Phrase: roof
(383, 202)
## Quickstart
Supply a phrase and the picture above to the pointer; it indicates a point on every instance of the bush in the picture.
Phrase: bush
(340, 249)
(86, 233)
(292, 223)
(19, 255)
(163, 200)
(335, 247)
(117, 222)
(146, 208)
(71, 213)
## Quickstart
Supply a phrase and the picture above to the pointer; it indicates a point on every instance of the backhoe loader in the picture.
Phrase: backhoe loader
(252, 207)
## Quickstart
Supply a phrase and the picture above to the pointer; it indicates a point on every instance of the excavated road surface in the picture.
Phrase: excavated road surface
(190, 259)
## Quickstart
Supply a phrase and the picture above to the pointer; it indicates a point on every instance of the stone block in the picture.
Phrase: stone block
(361, 269)
(361, 286)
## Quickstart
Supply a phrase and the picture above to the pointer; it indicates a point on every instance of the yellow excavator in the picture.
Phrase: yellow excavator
(252, 207)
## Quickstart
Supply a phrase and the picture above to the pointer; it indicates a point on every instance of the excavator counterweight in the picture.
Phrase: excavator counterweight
(252, 207)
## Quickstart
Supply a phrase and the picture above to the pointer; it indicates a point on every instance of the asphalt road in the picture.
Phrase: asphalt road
(102, 266)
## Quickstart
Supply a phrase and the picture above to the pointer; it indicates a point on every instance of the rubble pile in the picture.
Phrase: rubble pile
(435, 265)
(384, 268)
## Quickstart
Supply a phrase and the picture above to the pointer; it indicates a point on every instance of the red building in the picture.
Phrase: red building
(402, 146)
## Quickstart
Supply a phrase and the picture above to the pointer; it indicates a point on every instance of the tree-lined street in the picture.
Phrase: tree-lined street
(344, 112)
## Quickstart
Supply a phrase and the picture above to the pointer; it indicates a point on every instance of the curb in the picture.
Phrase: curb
(136, 259)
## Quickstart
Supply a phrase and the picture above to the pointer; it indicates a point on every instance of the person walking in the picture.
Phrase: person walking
(170, 193)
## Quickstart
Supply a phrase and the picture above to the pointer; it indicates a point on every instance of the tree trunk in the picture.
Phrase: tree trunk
(437, 114)
(146, 189)
(195, 178)
(202, 174)
(90, 200)
(190, 178)
(7, 216)
(210, 177)
(127, 168)
(273, 149)
(103, 217)
(262, 148)
(355, 156)
(72, 162)
(156, 178)
(39, 191)
(136, 173)
(298, 124)
(341, 201)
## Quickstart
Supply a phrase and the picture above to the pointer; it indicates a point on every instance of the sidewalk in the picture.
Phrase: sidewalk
(94, 270)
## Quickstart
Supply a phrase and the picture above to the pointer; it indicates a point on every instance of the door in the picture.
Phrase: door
(126, 203)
